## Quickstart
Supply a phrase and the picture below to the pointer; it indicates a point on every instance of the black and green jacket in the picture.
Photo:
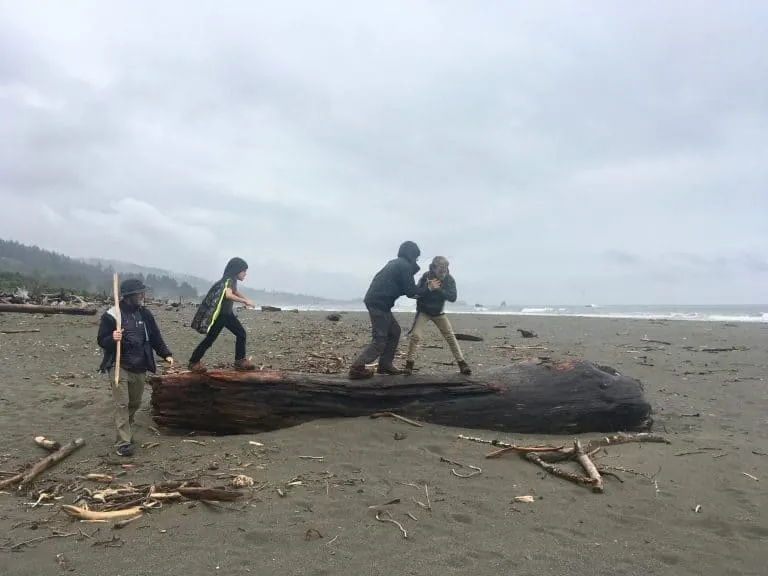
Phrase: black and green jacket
(432, 302)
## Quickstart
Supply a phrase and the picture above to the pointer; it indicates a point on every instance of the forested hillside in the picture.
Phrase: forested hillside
(44, 270)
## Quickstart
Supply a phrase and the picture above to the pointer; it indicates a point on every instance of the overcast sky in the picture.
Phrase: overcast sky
(555, 152)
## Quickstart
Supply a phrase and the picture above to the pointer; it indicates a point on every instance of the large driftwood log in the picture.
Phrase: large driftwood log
(566, 398)
(36, 309)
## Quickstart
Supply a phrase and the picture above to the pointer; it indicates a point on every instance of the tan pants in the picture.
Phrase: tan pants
(130, 388)
(444, 325)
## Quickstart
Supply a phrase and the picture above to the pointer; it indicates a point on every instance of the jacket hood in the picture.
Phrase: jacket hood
(234, 267)
(410, 251)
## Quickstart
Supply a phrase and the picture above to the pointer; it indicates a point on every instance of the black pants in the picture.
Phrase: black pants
(386, 336)
(231, 323)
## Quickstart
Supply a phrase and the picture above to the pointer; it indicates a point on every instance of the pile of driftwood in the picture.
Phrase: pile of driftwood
(126, 502)
(55, 303)
(546, 456)
(121, 502)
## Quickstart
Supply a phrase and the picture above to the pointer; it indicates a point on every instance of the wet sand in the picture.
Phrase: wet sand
(712, 406)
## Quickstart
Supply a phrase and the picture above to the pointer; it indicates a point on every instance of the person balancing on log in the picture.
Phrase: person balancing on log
(137, 337)
(216, 312)
(395, 279)
(430, 307)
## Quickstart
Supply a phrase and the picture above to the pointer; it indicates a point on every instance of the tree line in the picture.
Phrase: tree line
(43, 270)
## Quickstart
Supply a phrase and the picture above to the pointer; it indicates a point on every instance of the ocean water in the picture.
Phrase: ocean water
(711, 313)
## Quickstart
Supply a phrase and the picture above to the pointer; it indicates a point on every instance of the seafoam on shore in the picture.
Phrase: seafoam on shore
(702, 313)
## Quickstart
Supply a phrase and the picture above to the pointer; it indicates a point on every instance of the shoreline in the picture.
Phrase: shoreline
(671, 317)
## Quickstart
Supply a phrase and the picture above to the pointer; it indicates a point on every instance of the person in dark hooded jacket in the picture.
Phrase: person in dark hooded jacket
(394, 280)
(216, 312)
(139, 339)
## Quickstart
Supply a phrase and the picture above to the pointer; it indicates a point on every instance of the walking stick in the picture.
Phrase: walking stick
(118, 315)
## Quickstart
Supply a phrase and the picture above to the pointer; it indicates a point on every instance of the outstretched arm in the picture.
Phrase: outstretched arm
(155, 338)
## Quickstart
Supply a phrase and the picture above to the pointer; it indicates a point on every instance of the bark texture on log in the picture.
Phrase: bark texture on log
(35, 309)
(565, 398)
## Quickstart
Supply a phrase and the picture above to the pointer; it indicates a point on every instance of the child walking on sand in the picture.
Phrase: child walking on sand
(138, 337)
(429, 307)
(216, 312)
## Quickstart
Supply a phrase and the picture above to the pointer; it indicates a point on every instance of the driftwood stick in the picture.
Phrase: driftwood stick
(589, 467)
(516, 448)
(212, 494)
(555, 471)
(123, 523)
(41, 538)
(35, 309)
(26, 477)
(83, 514)
(47, 444)
(484, 441)
(391, 520)
(594, 445)
(118, 324)
(397, 417)
(641, 437)
(27, 331)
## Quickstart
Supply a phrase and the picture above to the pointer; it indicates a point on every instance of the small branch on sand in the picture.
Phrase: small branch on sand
(123, 523)
(41, 538)
(25, 478)
(391, 520)
(589, 467)
(516, 448)
(555, 471)
(428, 504)
(475, 470)
(727, 349)
(397, 417)
(29, 331)
(651, 341)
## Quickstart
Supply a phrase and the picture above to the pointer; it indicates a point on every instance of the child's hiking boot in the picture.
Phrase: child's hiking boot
(360, 373)
(389, 371)
(197, 367)
(244, 364)
(464, 368)
(125, 449)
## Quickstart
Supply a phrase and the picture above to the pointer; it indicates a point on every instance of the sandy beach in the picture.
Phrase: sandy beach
(713, 407)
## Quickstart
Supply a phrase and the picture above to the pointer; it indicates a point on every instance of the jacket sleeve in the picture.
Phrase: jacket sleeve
(155, 338)
(106, 327)
(410, 289)
(449, 289)
(421, 287)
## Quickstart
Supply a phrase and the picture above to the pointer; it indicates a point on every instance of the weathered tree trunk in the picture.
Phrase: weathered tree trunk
(36, 309)
(566, 398)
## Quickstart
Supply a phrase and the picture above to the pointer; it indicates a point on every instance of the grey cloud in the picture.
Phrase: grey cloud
(553, 153)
